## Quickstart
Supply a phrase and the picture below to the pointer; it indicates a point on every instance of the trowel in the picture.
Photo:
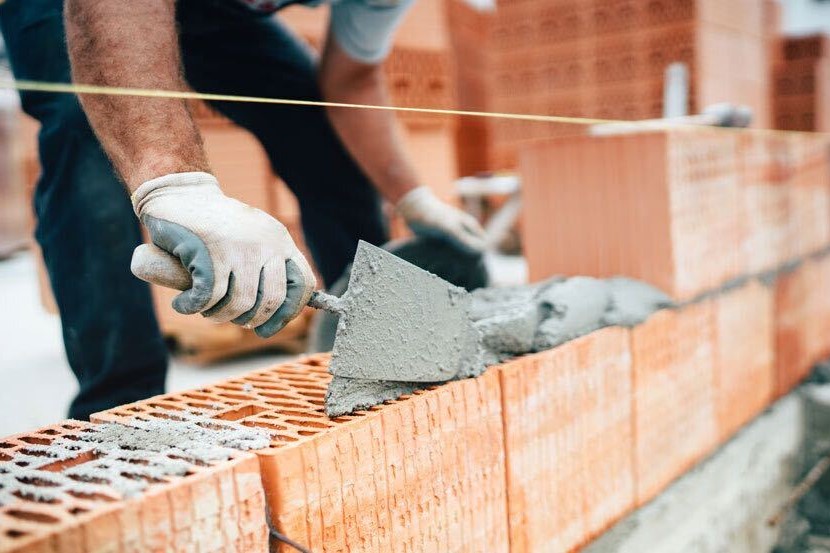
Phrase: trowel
(397, 322)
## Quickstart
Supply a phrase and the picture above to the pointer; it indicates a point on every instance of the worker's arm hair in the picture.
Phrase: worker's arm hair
(373, 137)
(134, 44)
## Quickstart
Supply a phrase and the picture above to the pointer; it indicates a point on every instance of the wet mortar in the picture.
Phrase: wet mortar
(416, 332)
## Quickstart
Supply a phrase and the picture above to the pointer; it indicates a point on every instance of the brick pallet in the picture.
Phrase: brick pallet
(606, 59)
(801, 84)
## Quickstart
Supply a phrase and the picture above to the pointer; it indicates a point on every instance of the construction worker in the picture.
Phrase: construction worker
(244, 265)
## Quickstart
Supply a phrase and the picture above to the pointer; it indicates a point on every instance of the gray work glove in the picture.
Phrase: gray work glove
(243, 264)
(426, 215)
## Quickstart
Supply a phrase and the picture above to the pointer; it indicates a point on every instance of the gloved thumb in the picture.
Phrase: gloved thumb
(154, 265)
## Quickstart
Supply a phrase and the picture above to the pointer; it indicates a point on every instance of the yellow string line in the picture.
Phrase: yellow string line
(37, 86)
(67, 88)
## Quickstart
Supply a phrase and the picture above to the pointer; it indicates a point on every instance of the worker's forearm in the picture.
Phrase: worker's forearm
(133, 44)
(373, 137)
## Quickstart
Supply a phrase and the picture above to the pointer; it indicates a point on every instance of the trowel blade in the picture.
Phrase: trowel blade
(401, 323)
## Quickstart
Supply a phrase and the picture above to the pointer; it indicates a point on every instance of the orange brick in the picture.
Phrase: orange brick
(568, 436)
(809, 194)
(802, 321)
(764, 169)
(175, 513)
(793, 356)
(744, 355)
(414, 474)
(674, 396)
(660, 206)
(820, 330)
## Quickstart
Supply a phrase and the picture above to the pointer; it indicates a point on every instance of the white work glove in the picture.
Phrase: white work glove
(426, 215)
(243, 264)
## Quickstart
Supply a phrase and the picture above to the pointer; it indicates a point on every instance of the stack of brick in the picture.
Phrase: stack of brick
(606, 59)
(470, 30)
(801, 84)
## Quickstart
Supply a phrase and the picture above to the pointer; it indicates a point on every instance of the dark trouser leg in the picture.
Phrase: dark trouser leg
(228, 53)
(86, 228)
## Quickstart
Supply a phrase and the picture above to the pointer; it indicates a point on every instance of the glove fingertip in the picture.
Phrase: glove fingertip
(268, 329)
(189, 302)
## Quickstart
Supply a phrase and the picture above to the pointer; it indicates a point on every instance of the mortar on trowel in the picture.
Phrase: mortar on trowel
(400, 328)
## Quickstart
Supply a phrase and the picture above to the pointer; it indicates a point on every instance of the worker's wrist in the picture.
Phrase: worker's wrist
(172, 184)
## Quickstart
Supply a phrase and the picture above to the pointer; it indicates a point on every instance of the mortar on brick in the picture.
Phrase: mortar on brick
(122, 458)
(513, 321)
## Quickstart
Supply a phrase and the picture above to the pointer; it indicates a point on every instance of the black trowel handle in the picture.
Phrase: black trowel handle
(156, 266)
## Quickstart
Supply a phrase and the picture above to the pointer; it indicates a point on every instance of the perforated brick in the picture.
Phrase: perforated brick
(216, 506)
(569, 441)
(764, 169)
(423, 473)
(744, 355)
(801, 321)
(674, 395)
(663, 207)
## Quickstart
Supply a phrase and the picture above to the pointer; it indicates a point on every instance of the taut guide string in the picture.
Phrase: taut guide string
(71, 88)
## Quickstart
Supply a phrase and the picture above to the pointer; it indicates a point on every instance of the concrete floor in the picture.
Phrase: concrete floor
(32, 356)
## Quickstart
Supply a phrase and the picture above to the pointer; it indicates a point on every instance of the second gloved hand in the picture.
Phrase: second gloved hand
(426, 215)
(244, 266)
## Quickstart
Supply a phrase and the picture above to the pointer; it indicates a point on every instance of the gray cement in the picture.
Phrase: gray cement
(346, 395)
(807, 528)
(722, 506)
(127, 456)
(506, 321)
(402, 323)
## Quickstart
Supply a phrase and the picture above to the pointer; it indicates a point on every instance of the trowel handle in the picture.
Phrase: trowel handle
(152, 264)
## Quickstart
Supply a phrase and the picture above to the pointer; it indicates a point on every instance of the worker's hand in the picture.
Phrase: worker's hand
(426, 215)
(243, 265)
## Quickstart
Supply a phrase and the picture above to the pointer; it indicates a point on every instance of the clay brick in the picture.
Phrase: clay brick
(802, 321)
(744, 355)
(413, 474)
(569, 441)
(176, 513)
(579, 48)
(806, 47)
(809, 194)
(764, 172)
(675, 421)
(661, 206)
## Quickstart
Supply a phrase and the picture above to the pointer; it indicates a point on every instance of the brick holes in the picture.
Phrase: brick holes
(32, 516)
(242, 412)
